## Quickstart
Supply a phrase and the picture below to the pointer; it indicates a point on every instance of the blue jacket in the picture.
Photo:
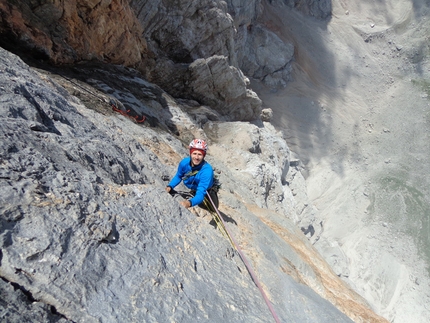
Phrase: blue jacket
(199, 178)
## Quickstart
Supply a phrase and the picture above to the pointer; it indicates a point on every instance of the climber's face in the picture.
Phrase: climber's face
(196, 157)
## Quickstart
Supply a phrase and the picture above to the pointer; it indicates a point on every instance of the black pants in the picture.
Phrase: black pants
(206, 204)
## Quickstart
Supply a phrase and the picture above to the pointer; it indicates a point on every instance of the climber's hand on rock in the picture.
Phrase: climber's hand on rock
(186, 203)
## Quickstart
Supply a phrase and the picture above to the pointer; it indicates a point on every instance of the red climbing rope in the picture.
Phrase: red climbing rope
(126, 112)
(245, 261)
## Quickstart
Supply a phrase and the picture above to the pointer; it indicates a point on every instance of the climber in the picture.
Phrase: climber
(198, 175)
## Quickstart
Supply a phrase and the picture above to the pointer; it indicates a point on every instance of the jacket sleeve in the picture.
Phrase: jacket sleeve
(178, 176)
(205, 182)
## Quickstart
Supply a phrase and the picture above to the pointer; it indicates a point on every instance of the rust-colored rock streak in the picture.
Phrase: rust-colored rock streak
(75, 30)
(335, 290)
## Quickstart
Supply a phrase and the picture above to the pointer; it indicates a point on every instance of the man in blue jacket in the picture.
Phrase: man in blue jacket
(198, 175)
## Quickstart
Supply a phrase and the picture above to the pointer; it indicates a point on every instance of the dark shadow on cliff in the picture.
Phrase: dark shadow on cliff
(225, 217)
(297, 108)
(108, 89)
(323, 79)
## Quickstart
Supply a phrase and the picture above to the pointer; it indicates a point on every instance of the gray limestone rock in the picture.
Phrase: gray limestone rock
(86, 229)
(88, 233)
(223, 87)
(18, 305)
(266, 57)
(258, 158)
(315, 8)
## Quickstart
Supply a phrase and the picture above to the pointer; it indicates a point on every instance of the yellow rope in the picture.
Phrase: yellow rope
(218, 221)
(242, 256)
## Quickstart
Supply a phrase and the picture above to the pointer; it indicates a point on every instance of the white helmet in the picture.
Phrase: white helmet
(199, 144)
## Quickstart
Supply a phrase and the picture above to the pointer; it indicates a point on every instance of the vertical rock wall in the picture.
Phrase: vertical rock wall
(75, 30)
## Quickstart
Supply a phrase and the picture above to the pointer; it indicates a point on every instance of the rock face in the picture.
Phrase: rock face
(175, 45)
(84, 233)
(89, 234)
(184, 31)
(314, 8)
(266, 57)
(66, 32)
(87, 230)
(213, 82)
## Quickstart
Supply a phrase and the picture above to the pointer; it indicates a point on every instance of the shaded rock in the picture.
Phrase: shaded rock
(315, 8)
(178, 51)
(66, 32)
(184, 32)
(266, 57)
(309, 230)
(18, 305)
(211, 82)
(215, 83)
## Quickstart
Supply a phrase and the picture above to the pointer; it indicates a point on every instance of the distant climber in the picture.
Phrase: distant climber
(198, 175)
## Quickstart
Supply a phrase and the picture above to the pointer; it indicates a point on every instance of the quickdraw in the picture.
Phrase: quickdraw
(116, 106)
(220, 222)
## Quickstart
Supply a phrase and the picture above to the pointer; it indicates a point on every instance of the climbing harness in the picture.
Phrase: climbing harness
(189, 174)
(221, 224)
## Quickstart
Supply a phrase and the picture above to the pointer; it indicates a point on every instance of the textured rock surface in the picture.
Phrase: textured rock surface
(360, 87)
(84, 234)
(267, 57)
(176, 45)
(70, 31)
(314, 8)
(184, 31)
(215, 83)
(82, 188)
(88, 233)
